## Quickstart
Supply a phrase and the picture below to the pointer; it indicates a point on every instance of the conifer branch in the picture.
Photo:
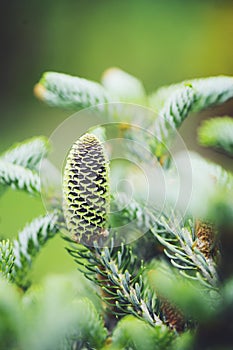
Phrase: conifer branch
(65, 91)
(29, 243)
(181, 247)
(171, 117)
(217, 133)
(212, 91)
(158, 98)
(209, 91)
(86, 204)
(180, 240)
(188, 296)
(158, 302)
(212, 186)
(213, 175)
(125, 291)
(28, 153)
(123, 86)
(132, 211)
(180, 100)
(7, 259)
(19, 178)
(132, 333)
(89, 328)
(221, 177)
(86, 197)
(175, 111)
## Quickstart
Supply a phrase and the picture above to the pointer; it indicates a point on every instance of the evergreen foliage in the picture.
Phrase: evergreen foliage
(123, 86)
(28, 153)
(210, 91)
(19, 178)
(90, 326)
(133, 333)
(65, 91)
(7, 259)
(29, 242)
(217, 133)
(124, 293)
(167, 290)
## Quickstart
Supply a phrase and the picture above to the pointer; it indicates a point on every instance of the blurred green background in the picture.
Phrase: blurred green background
(161, 42)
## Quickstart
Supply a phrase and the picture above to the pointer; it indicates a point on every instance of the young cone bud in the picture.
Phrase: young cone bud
(172, 315)
(206, 239)
(86, 190)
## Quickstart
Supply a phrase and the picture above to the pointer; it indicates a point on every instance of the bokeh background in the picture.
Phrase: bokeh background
(161, 42)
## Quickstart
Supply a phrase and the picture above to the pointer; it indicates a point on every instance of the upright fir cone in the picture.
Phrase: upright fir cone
(206, 239)
(86, 190)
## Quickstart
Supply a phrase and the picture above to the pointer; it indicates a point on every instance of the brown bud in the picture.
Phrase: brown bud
(172, 315)
(206, 239)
